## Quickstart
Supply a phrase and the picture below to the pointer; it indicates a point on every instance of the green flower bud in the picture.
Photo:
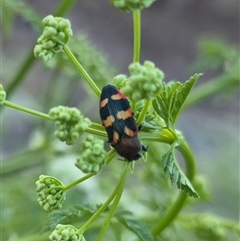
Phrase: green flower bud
(70, 123)
(50, 193)
(66, 233)
(129, 6)
(48, 44)
(3, 95)
(92, 155)
(56, 33)
(145, 81)
(50, 20)
(47, 33)
(119, 81)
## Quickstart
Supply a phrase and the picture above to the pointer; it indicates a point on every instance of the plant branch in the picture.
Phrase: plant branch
(27, 110)
(137, 36)
(73, 184)
(115, 203)
(107, 202)
(81, 70)
(143, 112)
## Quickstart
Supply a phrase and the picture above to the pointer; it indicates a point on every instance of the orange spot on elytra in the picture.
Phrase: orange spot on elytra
(124, 114)
(129, 132)
(103, 102)
(118, 96)
(108, 122)
(115, 137)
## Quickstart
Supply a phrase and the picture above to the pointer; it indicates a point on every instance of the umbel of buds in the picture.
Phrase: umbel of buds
(56, 33)
(50, 192)
(66, 233)
(144, 82)
(70, 123)
(92, 155)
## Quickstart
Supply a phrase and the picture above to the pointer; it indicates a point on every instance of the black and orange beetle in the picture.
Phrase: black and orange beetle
(117, 118)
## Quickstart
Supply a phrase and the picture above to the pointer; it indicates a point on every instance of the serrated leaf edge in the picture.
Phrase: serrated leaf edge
(175, 174)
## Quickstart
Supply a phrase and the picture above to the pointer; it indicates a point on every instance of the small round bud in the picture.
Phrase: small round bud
(48, 45)
(49, 31)
(50, 193)
(119, 81)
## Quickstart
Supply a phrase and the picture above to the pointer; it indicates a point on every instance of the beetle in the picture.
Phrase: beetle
(118, 119)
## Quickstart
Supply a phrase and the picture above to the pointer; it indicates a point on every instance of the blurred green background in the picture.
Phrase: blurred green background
(171, 31)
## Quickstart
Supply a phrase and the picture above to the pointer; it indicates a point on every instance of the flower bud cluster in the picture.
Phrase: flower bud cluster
(145, 81)
(50, 193)
(57, 31)
(93, 155)
(2, 95)
(70, 123)
(129, 6)
(66, 233)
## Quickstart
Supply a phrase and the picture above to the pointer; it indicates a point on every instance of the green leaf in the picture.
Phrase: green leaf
(175, 174)
(129, 221)
(171, 99)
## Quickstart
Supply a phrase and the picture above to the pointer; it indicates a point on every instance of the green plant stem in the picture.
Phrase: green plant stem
(27, 110)
(96, 132)
(81, 70)
(107, 202)
(110, 156)
(164, 136)
(97, 126)
(176, 207)
(136, 36)
(143, 112)
(30, 59)
(73, 184)
(47, 117)
(229, 80)
(115, 203)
